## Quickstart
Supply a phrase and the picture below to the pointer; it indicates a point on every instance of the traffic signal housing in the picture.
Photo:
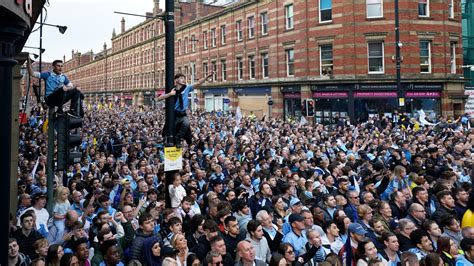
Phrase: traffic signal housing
(309, 107)
(68, 141)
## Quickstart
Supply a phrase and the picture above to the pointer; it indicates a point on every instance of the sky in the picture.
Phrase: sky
(89, 24)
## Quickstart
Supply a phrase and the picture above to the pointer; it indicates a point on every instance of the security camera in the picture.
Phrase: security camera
(400, 44)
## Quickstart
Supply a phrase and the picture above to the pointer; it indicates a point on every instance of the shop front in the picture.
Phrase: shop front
(329, 106)
(215, 99)
(127, 99)
(292, 102)
(148, 98)
(428, 101)
(371, 103)
(254, 99)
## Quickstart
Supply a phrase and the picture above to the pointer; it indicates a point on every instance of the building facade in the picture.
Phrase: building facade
(337, 55)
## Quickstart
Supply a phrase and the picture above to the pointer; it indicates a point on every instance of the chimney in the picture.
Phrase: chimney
(105, 46)
(198, 9)
(64, 58)
(156, 7)
(72, 54)
(122, 25)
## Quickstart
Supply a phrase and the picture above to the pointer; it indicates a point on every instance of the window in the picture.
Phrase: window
(374, 8)
(453, 57)
(264, 23)
(214, 68)
(204, 39)
(238, 30)
(193, 72)
(205, 69)
(326, 60)
(186, 45)
(179, 47)
(193, 43)
(290, 62)
(240, 69)
(251, 26)
(223, 70)
(451, 8)
(289, 17)
(213, 38)
(252, 67)
(375, 55)
(223, 34)
(325, 10)
(423, 8)
(265, 65)
(425, 57)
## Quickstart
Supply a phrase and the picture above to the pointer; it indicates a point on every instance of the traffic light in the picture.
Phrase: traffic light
(67, 141)
(309, 107)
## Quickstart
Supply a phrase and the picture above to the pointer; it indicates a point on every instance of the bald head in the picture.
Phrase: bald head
(246, 251)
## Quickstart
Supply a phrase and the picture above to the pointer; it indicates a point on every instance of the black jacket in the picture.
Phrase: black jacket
(405, 242)
(275, 243)
(136, 249)
(202, 247)
(442, 212)
(26, 243)
(231, 244)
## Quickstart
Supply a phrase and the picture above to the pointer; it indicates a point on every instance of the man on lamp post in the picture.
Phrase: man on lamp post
(181, 92)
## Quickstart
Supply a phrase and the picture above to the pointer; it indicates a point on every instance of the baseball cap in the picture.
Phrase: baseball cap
(294, 201)
(295, 217)
(357, 229)
(125, 181)
(39, 195)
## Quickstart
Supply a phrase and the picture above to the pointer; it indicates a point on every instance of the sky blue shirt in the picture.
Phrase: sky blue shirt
(297, 242)
(52, 80)
(184, 95)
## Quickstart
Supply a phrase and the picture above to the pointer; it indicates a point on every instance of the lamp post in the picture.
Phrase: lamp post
(398, 45)
(51, 120)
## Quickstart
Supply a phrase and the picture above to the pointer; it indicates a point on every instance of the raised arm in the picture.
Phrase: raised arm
(167, 95)
(201, 81)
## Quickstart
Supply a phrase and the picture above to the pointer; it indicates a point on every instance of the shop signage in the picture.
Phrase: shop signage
(424, 86)
(469, 106)
(127, 96)
(323, 87)
(254, 90)
(215, 91)
(331, 94)
(369, 86)
(375, 94)
(292, 95)
(423, 94)
(286, 89)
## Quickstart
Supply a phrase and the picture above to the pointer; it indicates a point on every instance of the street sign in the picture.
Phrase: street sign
(196, 100)
(270, 102)
(226, 100)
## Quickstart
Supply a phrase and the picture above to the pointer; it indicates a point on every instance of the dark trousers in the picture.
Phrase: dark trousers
(182, 129)
(60, 97)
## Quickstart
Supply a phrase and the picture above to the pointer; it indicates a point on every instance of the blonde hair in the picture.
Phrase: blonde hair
(60, 191)
(40, 242)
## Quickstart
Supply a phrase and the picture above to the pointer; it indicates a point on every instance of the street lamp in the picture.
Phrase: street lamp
(61, 29)
(398, 46)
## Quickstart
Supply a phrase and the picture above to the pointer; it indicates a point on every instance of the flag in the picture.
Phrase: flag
(303, 121)
(45, 126)
(356, 132)
(238, 116)
(422, 119)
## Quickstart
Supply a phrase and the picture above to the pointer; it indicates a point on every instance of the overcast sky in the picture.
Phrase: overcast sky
(90, 24)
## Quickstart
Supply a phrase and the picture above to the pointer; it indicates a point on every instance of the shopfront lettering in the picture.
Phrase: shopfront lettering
(330, 95)
(27, 5)
(375, 94)
(423, 94)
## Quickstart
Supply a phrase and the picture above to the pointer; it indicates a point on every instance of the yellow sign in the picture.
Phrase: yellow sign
(401, 101)
(173, 159)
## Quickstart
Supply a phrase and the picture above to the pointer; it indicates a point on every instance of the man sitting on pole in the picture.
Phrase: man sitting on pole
(59, 90)
(181, 91)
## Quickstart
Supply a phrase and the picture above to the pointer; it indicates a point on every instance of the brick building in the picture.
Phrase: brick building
(338, 54)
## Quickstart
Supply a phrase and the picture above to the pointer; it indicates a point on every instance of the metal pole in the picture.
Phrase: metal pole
(51, 121)
(41, 54)
(170, 102)
(397, 56)
(155, 88)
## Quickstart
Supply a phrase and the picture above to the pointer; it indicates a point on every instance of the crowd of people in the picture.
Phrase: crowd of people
(259, 192)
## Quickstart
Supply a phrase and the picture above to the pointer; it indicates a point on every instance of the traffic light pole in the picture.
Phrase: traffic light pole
(50, 158)
(169, 84)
